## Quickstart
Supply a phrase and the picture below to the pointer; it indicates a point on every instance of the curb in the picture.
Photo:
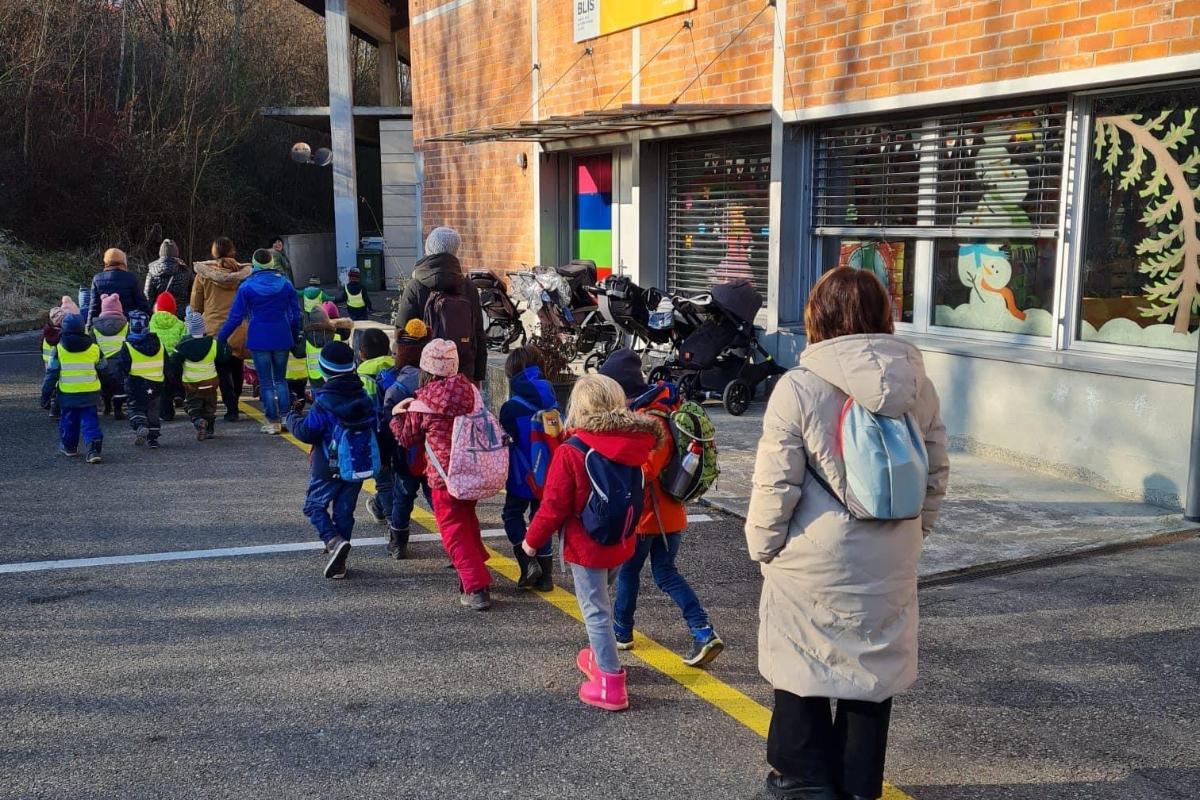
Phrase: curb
(22, 325)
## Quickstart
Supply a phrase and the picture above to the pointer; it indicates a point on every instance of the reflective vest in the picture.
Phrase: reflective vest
(297, 368)
(312, 358)
(355, 300)
(310, 303)
(148, 368)
(369, 371)
(47, 349)
(109, 345)
(203, 370)
(77, 371)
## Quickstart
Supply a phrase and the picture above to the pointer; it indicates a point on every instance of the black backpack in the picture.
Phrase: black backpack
(450, 316)
(614, 505)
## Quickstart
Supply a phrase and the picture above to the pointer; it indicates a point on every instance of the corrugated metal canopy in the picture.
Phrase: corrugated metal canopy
(590, 123)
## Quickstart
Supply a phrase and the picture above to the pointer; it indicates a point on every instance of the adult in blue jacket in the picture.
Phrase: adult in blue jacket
(268, 300)
(117, 279)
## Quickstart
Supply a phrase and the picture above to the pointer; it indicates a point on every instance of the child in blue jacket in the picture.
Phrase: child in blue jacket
(408, 469)
(528, 393)
(330, 501)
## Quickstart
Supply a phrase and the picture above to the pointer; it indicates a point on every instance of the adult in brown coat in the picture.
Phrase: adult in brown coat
(213, 290)
(838, 613)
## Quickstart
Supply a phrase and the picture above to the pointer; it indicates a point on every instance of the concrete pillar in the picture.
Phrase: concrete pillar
(341, 129)
(389, 74)
(401, 199)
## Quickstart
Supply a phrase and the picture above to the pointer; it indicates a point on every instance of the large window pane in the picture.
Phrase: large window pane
(888, 260)
(1141, 252)
(1005, 285)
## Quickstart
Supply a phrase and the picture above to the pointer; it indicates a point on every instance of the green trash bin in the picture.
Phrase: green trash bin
(370, 269)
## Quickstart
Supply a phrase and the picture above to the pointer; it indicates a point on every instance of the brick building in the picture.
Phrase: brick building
(1022, 174)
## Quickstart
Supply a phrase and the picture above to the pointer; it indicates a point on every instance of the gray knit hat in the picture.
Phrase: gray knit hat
(168, 249)
(195, 324)
(442, 240)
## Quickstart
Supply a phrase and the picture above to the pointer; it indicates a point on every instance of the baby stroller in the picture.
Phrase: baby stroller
(562, 297)
(651, 322)
(504, 318)
(722, 357)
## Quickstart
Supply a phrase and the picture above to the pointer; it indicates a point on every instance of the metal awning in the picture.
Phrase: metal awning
(628, 117)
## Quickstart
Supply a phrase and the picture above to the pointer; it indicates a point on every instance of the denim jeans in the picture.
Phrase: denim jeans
(71, 419)
(399, 506)
(513, 515)
(661, 550)
(329, 506)
(595, 604)
(271, 366)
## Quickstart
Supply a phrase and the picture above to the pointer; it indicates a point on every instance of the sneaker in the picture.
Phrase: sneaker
(624, 640)
(211, 431)
(140, 435)
(267, 428)
(375, 509)
(339, 550)
(152, 444)
(397, 546)
(476, 601)
(274, 428)
(63, 451)
(201, 429)
(705, 647)
(93, 456)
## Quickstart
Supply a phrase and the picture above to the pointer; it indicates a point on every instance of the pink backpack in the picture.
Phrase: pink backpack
(478, 466)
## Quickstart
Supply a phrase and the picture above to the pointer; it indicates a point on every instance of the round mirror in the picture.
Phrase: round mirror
(301, 153)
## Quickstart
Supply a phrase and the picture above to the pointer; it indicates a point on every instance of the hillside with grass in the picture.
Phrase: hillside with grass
(33, 279)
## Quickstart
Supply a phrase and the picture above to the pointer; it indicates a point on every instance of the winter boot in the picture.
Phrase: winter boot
(531, 571)
(93, 454)
(153, 443)
(476, 601)
(339, 550)
(140, 435)
(784, 787)
(118, 411)
(201, 428)
(586, 661)
(398, 543)
(606, 691)
(545, 582)
(211, 430)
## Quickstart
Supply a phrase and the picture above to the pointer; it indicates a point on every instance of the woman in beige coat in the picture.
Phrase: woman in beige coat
(213, 290)
(838, 613)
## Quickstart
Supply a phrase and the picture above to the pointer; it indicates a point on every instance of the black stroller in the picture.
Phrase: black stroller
(722, 357)
(634, 312)
(567, 309)
(504, 326)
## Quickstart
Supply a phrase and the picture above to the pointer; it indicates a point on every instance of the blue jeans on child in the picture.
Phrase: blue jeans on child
(329, 506)
(398, 506)
(271, 366)
(513, 515)
(595, 604)
(71, 419)
(662, 550)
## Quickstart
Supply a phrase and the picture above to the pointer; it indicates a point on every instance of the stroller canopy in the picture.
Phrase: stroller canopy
(738, 298)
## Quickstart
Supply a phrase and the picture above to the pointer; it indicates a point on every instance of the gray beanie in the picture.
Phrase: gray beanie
(442, 240)
(168, 248)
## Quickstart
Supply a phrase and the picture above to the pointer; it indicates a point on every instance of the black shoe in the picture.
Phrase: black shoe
(152, 444)
(397, 543)
(211, 431)
(201, 428)
(118, 413)
(545, 582)
(140, 436)
(785, 788)
(339, 551)
(232, 416)
(705, 648)
(375, 509)
(531, 571)
(93, 455)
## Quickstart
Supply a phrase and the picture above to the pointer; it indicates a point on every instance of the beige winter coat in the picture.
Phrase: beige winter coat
(838, 613)
(213, 290)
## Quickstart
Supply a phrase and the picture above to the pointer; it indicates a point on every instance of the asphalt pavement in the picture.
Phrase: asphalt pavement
(251, 676)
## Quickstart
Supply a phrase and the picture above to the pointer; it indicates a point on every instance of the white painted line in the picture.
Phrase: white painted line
(224, 552)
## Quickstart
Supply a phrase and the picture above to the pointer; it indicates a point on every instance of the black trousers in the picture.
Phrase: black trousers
(229, 376)
(808, 742)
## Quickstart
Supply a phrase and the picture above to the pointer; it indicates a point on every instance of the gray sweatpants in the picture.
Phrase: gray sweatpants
(595, 604)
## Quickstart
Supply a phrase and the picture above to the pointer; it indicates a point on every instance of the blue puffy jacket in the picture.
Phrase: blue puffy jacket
(528, 393)
(269, 301)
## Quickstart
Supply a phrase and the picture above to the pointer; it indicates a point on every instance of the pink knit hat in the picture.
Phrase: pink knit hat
(110, 305)
(68, 305)
(440, 357)
(331, 309)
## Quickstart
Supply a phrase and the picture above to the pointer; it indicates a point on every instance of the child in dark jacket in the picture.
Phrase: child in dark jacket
(74, 370)
(355, 297)
(528, 393)
(449, 394)
(109, 329)
(195, 359)
(598, 418)
(660, 529)
(408, 464)
(143, 361)
(51, 334)
(330, 501)
(377, 371)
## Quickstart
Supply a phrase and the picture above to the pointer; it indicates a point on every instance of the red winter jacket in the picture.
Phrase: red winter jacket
(449, 398)
(622, 436)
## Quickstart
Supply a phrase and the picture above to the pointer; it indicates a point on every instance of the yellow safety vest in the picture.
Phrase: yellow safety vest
(109, 345)
(148, 368)
(369, 371)
(203, 370)
(310, 304)
(77, 371)
(355, 300)
(47, 349)
(312, 359)
(297, 368)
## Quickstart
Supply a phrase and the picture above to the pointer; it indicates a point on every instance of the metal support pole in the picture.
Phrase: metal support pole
(341, 134)
(1191, 511)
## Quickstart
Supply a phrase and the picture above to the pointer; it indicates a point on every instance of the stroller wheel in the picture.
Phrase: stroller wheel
(593, 362)
(659, 374)
(736, 397)
(687, 386)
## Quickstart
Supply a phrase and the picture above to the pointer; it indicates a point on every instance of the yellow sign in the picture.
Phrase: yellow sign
(601, 17)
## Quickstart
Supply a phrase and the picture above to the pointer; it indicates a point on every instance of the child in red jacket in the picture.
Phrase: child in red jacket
(450, 394)
(598, 418)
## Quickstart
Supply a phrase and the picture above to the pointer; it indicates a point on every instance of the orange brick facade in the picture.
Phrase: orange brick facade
(472, 64)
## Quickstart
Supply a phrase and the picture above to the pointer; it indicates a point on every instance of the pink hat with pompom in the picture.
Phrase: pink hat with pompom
(440, 357)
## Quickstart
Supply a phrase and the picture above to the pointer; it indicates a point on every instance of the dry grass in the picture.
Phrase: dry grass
(31, 280)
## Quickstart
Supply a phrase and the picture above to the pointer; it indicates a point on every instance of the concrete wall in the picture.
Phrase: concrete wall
(401, 199)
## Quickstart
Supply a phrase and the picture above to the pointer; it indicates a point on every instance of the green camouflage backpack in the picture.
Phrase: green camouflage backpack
(693, 465)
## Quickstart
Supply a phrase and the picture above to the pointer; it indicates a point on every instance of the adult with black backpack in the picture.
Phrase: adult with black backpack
(848, 480)
(441, 296)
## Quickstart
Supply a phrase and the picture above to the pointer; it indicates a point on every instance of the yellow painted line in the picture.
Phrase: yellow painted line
(699, 682)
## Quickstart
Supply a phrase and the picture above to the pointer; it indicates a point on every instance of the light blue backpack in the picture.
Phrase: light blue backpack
(887, 466)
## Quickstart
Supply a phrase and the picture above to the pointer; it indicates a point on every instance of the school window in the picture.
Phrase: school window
(1140, 270)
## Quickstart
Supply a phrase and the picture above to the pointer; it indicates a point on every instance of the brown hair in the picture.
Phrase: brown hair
(407, 351)
(844, 302)
(521, 359)
(222, 247)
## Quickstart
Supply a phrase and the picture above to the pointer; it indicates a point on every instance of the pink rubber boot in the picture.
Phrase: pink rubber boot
(606, 690)
(586, 661)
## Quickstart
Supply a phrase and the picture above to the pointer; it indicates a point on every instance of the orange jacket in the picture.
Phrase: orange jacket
(661, 513)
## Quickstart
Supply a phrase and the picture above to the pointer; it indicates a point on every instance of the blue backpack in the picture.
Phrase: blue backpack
(539, 436)
(353, 452)
(614, 506)
(887, 466)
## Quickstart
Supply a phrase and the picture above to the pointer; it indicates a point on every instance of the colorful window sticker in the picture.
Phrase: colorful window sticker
(593, 211)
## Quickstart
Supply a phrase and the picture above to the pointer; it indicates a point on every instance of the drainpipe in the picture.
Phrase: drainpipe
(1191, 510)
